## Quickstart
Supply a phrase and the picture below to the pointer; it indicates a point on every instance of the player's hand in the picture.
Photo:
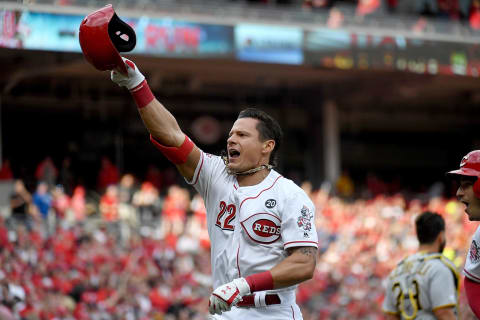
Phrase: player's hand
(132, 80)
(224, 297)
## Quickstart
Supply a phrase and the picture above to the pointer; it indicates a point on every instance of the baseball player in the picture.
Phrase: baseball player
(469, 193)
(261, 225)
(425, 284)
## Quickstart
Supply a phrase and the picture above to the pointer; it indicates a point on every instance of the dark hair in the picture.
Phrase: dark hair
(428, 226)
(268, 129)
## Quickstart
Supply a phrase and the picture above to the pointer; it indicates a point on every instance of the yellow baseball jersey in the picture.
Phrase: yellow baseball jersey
(420, 284)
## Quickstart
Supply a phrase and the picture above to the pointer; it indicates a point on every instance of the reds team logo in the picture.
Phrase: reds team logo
(464, 161)
(262, 227)
(474, 252)
(304, 221)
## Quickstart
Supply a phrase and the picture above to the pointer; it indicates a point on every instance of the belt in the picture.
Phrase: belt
(259, 300)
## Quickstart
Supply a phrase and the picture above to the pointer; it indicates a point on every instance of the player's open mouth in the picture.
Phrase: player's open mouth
(233, 154)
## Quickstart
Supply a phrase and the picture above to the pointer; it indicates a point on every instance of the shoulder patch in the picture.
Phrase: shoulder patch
(304, 220)
(474, 252)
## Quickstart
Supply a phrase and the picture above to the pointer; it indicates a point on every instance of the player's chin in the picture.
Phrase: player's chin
(232, 166)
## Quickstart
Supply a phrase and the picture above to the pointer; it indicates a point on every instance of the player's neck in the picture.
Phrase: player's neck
(429, 248)
(252, 179)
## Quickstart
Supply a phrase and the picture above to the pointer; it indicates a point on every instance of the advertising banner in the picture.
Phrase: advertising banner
(180, 38)
(271, 44)
(53, 32)
(162, 37)
(344, 50)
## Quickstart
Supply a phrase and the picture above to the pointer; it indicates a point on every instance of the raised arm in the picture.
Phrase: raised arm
(165, 132)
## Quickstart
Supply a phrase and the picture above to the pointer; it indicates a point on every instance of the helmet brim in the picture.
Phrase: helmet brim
(463, 172)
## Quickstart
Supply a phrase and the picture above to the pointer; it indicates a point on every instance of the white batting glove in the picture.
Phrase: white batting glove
(134, 78)
(224, 297)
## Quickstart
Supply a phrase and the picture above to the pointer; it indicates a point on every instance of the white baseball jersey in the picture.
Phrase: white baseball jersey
(215, 185)
(472, 263)
(251, 227)
(420, 284)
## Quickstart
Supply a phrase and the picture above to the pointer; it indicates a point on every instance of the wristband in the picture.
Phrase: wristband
(142, 94)
(260, 281)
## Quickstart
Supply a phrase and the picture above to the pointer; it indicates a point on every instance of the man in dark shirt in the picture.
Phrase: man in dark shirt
(20, 200)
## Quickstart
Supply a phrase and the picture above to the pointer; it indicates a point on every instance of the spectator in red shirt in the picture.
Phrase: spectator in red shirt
(108, 174)
(77, 203)
(5, 171)
(175, 209)
(366, 7)
(47, 172)
(475, 15)
(60, 203)
(154, 176)
(109, 204)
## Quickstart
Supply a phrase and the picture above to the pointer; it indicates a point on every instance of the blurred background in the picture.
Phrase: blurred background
(377, 100)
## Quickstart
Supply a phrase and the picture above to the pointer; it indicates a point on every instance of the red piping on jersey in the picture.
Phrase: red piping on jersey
(262, 213)
(475, 278)
(259, 192)
(293, 313)
(199, 170)
(235, 186)
(238, 266)
(300, 242)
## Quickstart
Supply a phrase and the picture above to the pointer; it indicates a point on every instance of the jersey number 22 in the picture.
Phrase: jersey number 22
(225, 216)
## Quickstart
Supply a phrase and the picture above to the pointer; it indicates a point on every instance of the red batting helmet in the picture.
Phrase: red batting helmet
(470, 166)
(102, 36)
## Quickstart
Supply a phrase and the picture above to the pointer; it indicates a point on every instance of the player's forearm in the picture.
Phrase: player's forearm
(158, 120)
(389, 316)
(445, 314)
(161, 124)
(296, 268)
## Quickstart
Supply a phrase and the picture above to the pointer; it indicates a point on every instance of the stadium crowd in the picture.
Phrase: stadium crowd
(466, 11)
(141, 250)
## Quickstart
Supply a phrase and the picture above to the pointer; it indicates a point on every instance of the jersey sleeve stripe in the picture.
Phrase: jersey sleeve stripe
(450, 305)
(471, 276)
(300, 244)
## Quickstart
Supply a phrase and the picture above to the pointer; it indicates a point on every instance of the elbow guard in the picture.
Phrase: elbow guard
(177, 155)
